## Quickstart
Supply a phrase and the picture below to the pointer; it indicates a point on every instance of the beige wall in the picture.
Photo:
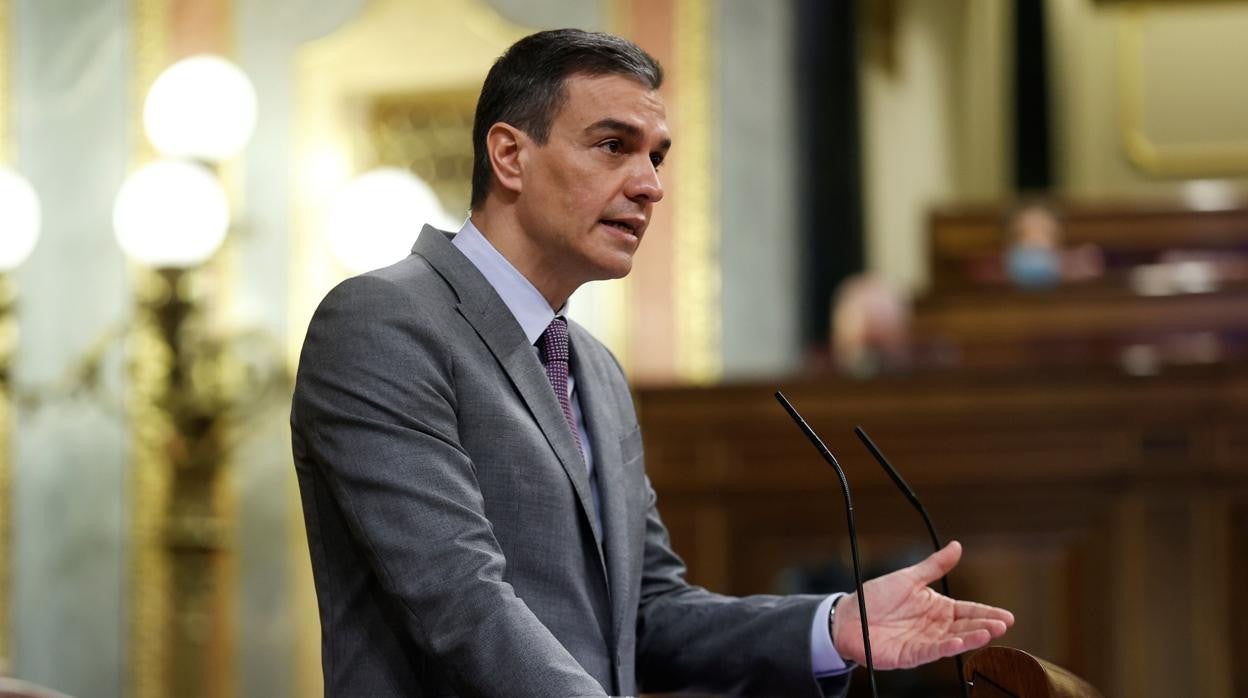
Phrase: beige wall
(1145, 97)
(934, 124)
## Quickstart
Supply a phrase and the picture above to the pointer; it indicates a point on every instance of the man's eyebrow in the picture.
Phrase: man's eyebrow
(628, 129)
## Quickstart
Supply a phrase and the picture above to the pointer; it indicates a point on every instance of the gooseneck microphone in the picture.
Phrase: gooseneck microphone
(927, 520)
(853, 536)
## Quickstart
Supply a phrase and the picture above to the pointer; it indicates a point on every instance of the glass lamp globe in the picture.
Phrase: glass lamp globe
(20, 219)
(171, 213)
(201, 108)
(376, 217)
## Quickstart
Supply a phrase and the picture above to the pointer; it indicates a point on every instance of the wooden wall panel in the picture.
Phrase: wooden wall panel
(1237, 553)
(1108, 512)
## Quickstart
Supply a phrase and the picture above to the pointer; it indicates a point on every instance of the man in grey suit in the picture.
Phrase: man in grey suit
(470, 462)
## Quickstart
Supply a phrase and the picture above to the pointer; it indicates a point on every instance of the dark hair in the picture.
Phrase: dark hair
(525, 87)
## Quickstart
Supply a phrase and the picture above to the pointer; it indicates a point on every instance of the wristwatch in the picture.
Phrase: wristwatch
(832, 617)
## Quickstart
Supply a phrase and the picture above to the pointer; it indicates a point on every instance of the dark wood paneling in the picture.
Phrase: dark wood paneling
(1097, 506)
(1237, 554)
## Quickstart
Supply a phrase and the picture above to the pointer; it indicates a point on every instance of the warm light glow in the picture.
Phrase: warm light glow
(171, 213)
(202, 108)
(376, 217)
(325, 170)
(20, 218)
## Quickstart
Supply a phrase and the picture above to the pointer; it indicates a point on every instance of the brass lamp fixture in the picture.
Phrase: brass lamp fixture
(191, 383)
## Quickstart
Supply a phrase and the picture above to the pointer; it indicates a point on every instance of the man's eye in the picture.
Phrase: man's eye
(656, 160)
(613, 146)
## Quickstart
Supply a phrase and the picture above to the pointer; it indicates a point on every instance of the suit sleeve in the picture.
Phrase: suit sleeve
(375, 402)
(692, 639)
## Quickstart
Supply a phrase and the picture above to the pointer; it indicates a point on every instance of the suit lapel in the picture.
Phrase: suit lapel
(493, 322)
(604, 429)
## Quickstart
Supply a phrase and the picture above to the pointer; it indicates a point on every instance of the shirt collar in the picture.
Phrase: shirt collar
(521, 297)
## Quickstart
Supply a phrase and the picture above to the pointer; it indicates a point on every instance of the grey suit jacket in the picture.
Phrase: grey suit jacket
(449, 513)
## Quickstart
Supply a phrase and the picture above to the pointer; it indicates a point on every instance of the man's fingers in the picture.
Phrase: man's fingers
(938, 563)
(927, 653)
(973, 640)
(947, 647)
(994, 627)
(969, 610)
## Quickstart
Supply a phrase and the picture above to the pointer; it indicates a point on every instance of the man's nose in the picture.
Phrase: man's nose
(644, 184)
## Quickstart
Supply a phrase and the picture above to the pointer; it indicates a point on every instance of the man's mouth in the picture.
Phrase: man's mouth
(629, 226)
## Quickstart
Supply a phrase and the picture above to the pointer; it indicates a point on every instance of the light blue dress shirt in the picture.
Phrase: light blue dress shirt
(534, 314)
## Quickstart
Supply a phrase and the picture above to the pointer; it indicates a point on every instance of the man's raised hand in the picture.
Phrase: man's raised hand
(912, 624)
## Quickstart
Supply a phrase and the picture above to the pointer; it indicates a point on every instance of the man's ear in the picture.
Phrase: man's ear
(504, 144)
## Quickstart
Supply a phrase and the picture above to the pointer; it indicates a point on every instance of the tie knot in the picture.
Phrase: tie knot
(553, 344)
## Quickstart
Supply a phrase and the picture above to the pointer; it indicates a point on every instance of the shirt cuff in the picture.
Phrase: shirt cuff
(824, 658)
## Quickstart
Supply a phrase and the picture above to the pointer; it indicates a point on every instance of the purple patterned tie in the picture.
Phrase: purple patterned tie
(552, 348)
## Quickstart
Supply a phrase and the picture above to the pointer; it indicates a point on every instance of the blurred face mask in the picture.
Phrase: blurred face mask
(1033, 267)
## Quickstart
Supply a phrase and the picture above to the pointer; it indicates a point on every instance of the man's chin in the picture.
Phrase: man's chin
(617, 269)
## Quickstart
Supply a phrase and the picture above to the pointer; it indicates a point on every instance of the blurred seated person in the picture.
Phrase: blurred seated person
(16, 688)
(1034, 257)
(870, 327)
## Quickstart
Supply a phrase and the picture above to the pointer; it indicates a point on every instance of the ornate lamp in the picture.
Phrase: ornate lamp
(202, 108)
(187, 381)
(171, 214)
(169, 217)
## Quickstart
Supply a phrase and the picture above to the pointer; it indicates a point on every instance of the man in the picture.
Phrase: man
(470, 462)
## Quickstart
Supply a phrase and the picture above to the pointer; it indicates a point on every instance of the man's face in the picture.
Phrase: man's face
(1036, 227)
(588, 192)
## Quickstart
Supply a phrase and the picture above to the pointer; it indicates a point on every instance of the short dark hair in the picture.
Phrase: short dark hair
(525, 86)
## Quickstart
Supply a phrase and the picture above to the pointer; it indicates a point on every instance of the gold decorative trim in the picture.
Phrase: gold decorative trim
(8, 346)
(151, 53)
(7, 328)
(6, 104)
(697, 282)
(1168, 159)
(182, 585)
(150, 575)
(428, 132)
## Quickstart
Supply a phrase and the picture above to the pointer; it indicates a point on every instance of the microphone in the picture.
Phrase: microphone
(853, 536)
(927, 520)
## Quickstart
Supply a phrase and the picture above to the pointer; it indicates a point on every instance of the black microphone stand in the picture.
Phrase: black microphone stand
(853, 536)
(927, 520)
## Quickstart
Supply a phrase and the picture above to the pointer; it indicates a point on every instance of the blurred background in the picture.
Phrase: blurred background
(1007, 237)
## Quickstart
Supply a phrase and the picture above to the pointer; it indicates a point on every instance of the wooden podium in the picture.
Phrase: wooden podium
(1003, 672)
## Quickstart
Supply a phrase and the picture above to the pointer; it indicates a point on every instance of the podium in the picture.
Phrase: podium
(1004, 672)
